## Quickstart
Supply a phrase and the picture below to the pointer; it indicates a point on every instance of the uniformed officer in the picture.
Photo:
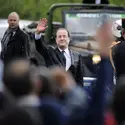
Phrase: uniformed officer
(117, 49)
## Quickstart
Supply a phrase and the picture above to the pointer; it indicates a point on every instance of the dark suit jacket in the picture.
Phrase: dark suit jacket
(16, 116)
(53, 57)
(118, 56)
(18, 47)
(10, 113)
(93, 1)
(53, 112)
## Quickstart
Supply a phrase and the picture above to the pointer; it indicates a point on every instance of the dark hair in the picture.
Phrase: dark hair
(18, 81)
(48, 83)
(61, 28)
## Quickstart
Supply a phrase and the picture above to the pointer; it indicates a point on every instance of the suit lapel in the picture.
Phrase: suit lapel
(14, 34)
(72, 57)
(60, 58)
(12, 38)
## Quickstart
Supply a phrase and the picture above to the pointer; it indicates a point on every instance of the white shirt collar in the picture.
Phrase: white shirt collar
(66, 50)
(29, 100)
(98, 2)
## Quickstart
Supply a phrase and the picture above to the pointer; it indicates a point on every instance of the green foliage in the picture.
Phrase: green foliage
(118, 2)
(35, 9)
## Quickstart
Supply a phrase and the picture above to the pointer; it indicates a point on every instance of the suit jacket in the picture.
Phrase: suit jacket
(53, 57)
(53, 112)
(117, 57)
(16, 116)
(10, 112)
(94, 1)
(17, 47)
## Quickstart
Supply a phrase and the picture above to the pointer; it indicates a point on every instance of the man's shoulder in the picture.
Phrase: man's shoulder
(22, 33)
(51, 46)
(74, 52)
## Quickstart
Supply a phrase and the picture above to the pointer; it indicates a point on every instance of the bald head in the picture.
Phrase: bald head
(18, 67)
(15, 14)
(13, 20)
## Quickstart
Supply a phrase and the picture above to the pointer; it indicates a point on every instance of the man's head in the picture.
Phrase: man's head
(18, 78)
(13, 20)
(63, 79)
(62, 38)
(48, 86)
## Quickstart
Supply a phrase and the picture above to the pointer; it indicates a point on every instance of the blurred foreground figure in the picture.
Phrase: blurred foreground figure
(52, 110)
(21, 82)
(15, 43)
(105, 38)
(70, 93)
(17, 77)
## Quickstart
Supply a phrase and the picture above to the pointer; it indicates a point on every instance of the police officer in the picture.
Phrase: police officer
(117, 48)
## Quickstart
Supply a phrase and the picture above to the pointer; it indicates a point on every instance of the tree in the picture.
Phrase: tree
(36, 9)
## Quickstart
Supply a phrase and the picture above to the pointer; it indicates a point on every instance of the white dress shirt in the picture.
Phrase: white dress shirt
(97, 1)
(68, 57)
(29, 100)
(38, 36)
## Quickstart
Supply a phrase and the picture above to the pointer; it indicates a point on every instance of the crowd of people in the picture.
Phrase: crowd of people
(54, 94)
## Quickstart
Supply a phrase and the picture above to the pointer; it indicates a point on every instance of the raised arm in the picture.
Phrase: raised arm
(40, 46)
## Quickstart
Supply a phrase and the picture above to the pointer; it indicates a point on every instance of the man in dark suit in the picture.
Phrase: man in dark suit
(117, 53)
(15, 43)
(95, 2)
(61, 55)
